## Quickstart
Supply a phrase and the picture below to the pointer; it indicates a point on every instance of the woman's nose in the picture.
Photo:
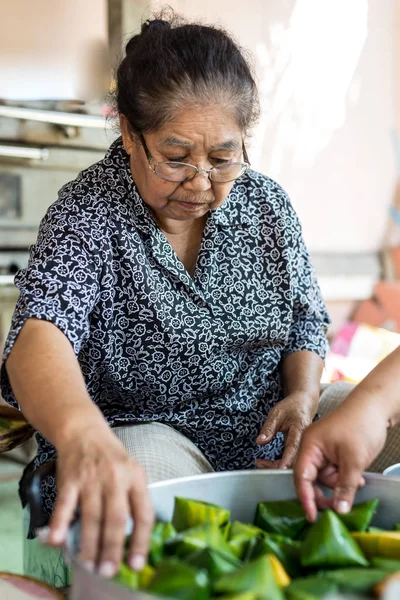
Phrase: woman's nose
(199, 183)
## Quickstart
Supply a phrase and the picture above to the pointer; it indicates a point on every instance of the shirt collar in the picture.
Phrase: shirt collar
(233, 212)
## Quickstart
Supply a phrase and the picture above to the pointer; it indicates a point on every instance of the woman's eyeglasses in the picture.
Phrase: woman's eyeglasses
(179, 172)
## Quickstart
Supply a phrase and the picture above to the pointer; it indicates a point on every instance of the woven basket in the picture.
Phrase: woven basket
(14, 429)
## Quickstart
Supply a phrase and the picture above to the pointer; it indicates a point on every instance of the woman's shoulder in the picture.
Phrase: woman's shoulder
(87, 203)
(258, 192)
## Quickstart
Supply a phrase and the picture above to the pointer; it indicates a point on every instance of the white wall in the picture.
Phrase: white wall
(327, 74)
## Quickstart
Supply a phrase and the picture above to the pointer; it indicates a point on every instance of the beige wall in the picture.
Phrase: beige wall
(327, 74)
(52, 49)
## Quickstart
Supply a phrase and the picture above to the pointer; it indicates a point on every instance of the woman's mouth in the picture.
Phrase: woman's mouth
(192, 206)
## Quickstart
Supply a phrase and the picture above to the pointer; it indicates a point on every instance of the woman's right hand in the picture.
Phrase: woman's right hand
(95, 472)
(336, 450)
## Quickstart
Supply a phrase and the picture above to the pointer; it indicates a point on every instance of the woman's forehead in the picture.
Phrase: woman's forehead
(171, 141)
(207, 126)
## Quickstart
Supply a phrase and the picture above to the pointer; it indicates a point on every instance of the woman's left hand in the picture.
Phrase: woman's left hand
(290, 416)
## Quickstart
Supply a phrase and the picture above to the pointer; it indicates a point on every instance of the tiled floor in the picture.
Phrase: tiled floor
(10, 517)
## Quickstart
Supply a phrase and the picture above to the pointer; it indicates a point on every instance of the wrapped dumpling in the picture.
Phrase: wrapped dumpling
(176, 579)
(190, 513)
(208, 535)
(255, 577)
(286, 518)
(329, 544)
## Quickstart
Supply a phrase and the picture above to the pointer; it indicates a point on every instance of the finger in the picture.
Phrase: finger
(263, 463)
(308, 462)
(291, 448)
(328, 476)
(322, 501)
(348, 481)
(270, 428)
(113, 531)
(143, 516)
(63, 514)
(91, 521)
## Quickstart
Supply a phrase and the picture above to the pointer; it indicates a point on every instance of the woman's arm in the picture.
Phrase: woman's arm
(340, 447)
(301, 375)
(93, 468)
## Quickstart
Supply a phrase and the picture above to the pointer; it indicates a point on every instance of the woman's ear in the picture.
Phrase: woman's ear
(127, 137)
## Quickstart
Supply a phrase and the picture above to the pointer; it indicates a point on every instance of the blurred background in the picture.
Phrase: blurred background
(329, 134)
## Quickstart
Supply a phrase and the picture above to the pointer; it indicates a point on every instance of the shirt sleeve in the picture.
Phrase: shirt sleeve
(310, 319)
(60, 284)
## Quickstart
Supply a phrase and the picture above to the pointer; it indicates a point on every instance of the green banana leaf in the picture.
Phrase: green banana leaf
(176, 579)
(360, 516)
(244, 596)
(162, 532)
(389, 565)
(127, 577)
(286, 518)
(239, 536)
(207, 535)
(255, 577)
(360, 581)
(190, 513)
(225, 529)
(396, 527)
(329, 544)
(310, 588)
(285, 549)
(134, 579)
(215, 563)
(375, 530)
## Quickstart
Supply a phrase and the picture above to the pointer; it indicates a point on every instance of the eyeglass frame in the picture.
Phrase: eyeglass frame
(152, 165)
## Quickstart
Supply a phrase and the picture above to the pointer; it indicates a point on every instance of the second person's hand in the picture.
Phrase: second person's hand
(335, 451)
(95, 472)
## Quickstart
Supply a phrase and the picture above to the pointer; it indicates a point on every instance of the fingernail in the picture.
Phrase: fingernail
(261, 438)
(137, 562)
(284, 467)
(342, 507)
(107, 569)
(43, 534)
(88, 565)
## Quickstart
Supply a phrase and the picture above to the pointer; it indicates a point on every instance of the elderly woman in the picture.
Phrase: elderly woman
(169, 300)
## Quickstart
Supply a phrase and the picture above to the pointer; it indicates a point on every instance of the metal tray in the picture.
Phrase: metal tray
(239, 491)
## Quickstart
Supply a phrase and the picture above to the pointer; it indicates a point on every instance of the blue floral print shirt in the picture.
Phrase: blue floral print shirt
(200, 354)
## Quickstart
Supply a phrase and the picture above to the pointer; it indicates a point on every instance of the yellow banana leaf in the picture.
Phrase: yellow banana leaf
(176, 579)
(286, 550)
(281, 577)
(385, 544)
(255, 577)
(134, 579)
(329, 544)
(190, 513)
(286, 518)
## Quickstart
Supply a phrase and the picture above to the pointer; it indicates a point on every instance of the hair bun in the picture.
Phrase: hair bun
(155, 24)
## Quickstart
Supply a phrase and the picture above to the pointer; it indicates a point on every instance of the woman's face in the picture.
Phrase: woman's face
(203, 137)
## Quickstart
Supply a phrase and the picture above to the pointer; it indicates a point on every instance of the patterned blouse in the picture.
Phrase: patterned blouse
(200, 354)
